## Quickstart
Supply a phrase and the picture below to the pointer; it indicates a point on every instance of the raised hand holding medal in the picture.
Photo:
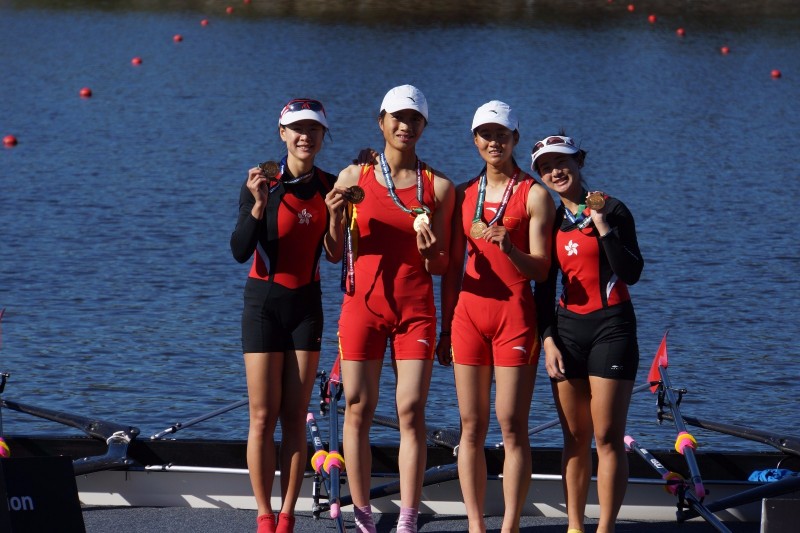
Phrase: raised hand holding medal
(595, 200)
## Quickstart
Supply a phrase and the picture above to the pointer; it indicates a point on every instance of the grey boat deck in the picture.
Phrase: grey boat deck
(187, 520)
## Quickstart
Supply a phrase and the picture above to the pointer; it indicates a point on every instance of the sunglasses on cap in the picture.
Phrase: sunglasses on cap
(553, 139)
(298, 104)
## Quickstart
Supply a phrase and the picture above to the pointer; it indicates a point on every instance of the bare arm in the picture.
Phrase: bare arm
(432, 242)
(451, 280)
(535, 264)
(334, 200)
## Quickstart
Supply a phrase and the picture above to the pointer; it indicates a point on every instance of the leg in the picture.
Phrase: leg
(413, 382)
(610, 401)
(264, 389)
(362, 380)
(299, 377)
(513, 394)
(473, 387)
(573, 399)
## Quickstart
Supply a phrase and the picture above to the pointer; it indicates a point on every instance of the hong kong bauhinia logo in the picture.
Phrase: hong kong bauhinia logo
(571, 248)
(304, 216)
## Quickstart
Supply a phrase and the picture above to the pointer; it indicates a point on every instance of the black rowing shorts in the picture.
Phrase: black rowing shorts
(602, 343)
(278, 319)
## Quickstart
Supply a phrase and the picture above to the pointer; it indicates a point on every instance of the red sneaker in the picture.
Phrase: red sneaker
(266, 523)
(285, 523)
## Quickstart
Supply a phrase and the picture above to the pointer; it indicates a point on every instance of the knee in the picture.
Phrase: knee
(411, 413)
(358, 415)
(474, 430)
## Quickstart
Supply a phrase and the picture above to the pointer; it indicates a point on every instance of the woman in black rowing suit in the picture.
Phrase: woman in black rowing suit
(590, 344)
(283, 225)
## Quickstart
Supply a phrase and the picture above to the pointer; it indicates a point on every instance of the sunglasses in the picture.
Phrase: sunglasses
(553, 139)
(298, 104)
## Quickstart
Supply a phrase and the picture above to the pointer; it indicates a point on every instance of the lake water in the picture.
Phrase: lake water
(122, 298)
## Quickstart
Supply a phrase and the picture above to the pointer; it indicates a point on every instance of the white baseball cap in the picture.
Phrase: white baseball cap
(303, 109)
(495, 112)
(405, 97)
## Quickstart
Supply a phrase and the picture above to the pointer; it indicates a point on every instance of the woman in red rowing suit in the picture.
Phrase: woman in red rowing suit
(396, 238)
(503, 220)
(590, 345)
(283, 225)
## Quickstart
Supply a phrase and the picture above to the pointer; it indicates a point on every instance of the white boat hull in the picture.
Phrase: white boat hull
(230, 488)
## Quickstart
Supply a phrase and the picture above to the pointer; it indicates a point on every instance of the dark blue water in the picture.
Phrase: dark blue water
(123, 301)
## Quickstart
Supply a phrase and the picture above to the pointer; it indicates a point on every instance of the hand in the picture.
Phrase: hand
(336, 203)
(443, 350)
(426, 243)
(367, 156)
(258, 184)
(499, 236)
(554, 362)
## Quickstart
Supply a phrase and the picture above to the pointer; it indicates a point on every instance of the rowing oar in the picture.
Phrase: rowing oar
(674, 484)
(768, 490)
(685, 443)
(323, 464)
(177, 426)
(786, 443)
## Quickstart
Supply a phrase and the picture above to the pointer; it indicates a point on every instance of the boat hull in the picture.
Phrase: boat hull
(205, 473)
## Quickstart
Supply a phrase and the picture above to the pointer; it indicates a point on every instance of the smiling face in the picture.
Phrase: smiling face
(560, 173)
(303, 139)
(495, 143)
(402, 129)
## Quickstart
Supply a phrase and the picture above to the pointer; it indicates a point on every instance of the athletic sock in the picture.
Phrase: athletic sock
(364, 522)
(266, 523)
(285, 523)
(407, 522)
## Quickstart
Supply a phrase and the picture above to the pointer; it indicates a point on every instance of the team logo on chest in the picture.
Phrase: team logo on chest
(571, 248)
(304, 217)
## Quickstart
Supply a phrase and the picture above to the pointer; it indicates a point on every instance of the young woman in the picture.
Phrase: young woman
(396, 239)
(283, 225)
(590, 344)
(503, 220)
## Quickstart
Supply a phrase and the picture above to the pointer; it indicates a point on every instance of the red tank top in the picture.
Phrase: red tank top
(301, 226)
(579, 257)
(387, 260)
(488, 271)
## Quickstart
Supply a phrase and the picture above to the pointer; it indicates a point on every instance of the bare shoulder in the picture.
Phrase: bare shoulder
(539, 199)
(349, 175)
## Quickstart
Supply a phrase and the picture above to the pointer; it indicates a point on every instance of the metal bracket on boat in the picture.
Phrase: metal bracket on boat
(115, 456)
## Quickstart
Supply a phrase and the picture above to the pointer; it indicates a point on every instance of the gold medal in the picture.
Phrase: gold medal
(421, 219)
(354, 194)
(595, 200)
(269, 168)
(477, 229)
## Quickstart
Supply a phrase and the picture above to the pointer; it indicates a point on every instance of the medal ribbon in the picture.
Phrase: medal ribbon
(503, 202)
(348, 282)
(291, 181)
(582, 218)
(390, 185)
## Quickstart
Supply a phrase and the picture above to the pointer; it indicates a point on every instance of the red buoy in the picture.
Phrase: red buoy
(681, 32)
(177, 38)
(724, 50)
(204, 22)
(776, 73)
(136, 61)
(86, 92)
(651, 19)
(631, 8)
(229, 10)
(9, 140)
